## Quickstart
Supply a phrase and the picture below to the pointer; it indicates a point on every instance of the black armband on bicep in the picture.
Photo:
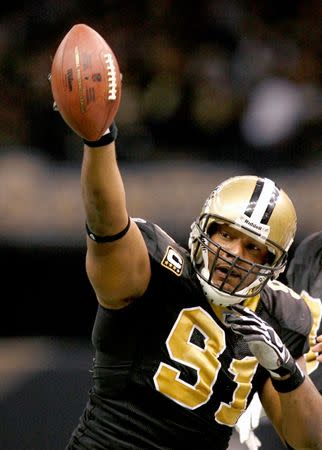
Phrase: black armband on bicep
(111, 238)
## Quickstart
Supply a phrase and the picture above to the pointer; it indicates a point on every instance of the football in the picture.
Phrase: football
(85, 82)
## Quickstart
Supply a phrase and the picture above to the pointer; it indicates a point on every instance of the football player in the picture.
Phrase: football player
(183, 339)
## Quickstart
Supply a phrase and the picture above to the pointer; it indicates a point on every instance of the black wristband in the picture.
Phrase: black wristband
(111, 238)
(291, 383)
(106, 139)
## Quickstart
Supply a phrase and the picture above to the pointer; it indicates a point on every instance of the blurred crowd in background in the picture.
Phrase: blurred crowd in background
(221, 81)
(217, 79)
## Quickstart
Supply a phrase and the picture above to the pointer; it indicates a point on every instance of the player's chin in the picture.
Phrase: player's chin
(229, 287)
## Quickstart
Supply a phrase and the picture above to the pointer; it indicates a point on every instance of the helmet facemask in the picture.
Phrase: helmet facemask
(227, 278)
(251, 276)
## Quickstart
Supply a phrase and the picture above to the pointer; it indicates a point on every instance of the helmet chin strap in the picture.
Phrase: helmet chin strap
(214, 295)
(218, 297)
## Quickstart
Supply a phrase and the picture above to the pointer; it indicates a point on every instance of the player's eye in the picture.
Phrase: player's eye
(225, 235)
(253, 247)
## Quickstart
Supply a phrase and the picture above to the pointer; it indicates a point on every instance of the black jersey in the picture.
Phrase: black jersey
(168, 374)
(305, 276)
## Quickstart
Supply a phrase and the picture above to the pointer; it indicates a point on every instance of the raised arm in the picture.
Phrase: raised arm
(86, 86)
(119, 268)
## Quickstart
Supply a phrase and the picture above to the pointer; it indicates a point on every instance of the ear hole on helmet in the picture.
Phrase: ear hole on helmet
(212, 228)
(270, 258)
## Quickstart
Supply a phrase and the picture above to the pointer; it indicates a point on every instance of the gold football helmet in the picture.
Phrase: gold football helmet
(261, 210)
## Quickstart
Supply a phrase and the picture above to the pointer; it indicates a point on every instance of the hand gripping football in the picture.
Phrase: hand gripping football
(86, 82)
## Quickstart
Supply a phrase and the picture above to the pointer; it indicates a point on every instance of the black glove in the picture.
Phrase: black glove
(267, 347)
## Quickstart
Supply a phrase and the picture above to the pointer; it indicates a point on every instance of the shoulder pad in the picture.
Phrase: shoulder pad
(164, 249)
(287, 306)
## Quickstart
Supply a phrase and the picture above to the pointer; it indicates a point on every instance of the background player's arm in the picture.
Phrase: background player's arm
(318, 348)
(119, 271)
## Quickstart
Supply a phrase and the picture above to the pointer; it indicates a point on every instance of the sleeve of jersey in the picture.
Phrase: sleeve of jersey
(305, 263)
(163, 250)
(292, 317)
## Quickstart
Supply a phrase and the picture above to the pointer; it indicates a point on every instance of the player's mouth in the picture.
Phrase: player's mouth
(224, 276)
(225, 272)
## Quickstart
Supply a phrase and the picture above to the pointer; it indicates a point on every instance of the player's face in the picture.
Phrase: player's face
(237, 245)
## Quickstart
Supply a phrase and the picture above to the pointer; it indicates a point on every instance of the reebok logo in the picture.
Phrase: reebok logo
(253, 225)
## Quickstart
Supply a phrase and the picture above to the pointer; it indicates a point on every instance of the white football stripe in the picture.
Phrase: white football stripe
(263, 201)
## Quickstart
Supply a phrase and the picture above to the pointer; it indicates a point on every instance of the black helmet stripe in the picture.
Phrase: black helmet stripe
(263, 201)
(270, 206)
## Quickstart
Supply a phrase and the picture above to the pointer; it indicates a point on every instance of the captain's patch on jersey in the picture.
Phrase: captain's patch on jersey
(173, 261)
